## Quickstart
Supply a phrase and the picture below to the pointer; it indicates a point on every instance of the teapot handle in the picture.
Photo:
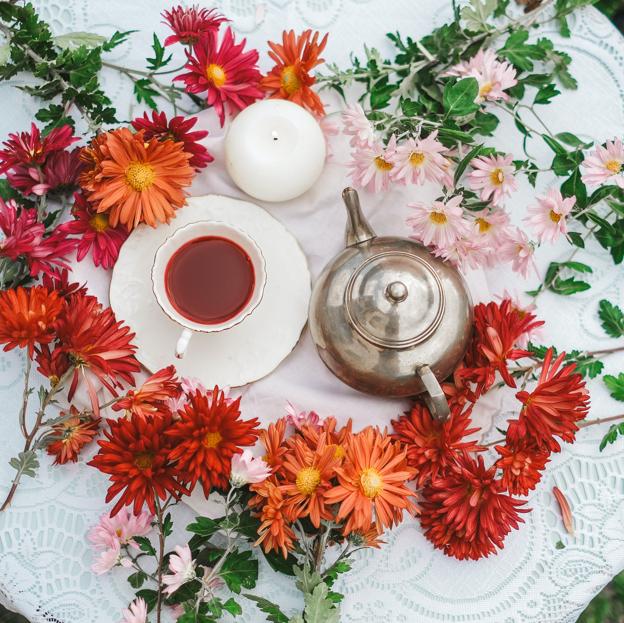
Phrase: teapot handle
(434, 396)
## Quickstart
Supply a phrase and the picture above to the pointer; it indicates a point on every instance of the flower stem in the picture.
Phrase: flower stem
(26, 394)
(161, 556)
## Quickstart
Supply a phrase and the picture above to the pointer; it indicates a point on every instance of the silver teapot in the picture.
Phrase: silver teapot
(387, 317)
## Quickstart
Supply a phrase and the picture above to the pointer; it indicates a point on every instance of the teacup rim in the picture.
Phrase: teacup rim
(236, 320)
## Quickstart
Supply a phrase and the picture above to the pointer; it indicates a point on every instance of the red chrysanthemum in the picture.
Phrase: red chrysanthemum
(466, 512)
(294, 59)
(498, 328)
(51, 253)
(522, 465)
(432, 445)
(190, 23)
(553, 408)
(62, 169)
(226, 71)
(58, 280)
(179, 130)
(207, 435)
(68, 437)
(27, 317)
(98, 347)
(22, 232)
(95, 234)
(151, 398)
(135, 453)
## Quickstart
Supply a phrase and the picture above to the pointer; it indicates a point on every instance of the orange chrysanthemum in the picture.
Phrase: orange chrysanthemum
(295, 58)
(151, 398)
(274, 532)
(307, 474)
(71, 435)
(138, 181)
(209, 432)
(273, 440)
(337, 438)
(372, 483)
(27, 316)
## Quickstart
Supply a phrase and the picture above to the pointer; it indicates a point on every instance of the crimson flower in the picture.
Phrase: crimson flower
(151, 398)
(22, 232)
(62, 169)
(432, 445)
(522, 465)
(96, 234)
(225, 70)
(178, 129)
(189, 23)
(58, 280)
(207, 435)
(553, 408)
(68, 437)
(135, 454)
(466, 512)
(27, 317)
(51, 252)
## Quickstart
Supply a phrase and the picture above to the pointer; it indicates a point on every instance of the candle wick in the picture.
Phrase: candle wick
(274, 135)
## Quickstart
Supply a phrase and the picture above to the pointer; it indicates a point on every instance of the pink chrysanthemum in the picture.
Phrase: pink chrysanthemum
(120, 529)
(494, 177)
(182, 566)
(466, 252)
(357, 126)
(440, 224)
(548, 217)
(298, 419)
(605, 164)
(227, 72)
(492, 226)
(493, 76)
(371, 165)
(178, 129)
(136, 612)
(95, 234)
(518, 250)
(420, 160)
(190, 23)
(247, 469)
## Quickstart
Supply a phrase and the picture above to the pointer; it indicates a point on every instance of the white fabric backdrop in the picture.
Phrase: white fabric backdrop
(44, 558)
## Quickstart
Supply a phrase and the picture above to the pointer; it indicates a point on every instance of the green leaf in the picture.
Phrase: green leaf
(117, 39)
(409, 107)
(485, 123)
(571, 139)
(167, 525)
(475, 14)
(74, 40)
(576, 239)
(615, 431)
(545, 94)
(520, 53)
(459, 97)
(150, 596)
(574, 187)
(204, 526)
(465, 161)
(280, 564)
(601, 193)
(145, 92)
(612, 318)
(557, 147)
(579, 267)
(307, 579)
(559, 545)
(240, 569)
(145, 545)
(318, 608)
(567, 287)
(136, 579)
(615, 384)
(159, 60)
(273, 612)
(232, 607)
(25, 463)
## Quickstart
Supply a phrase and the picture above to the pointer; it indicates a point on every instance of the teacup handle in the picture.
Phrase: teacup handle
(183, 342)
(434, 396)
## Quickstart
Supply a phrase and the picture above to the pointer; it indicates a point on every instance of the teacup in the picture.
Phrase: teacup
(208, 276)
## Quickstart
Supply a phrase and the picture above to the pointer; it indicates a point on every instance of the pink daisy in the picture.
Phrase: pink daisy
(96, 235)
(419, 160)
(357, 126)
(136, 612)
(518, 250)
(183, 567)
(548, 217)
(605, 164)
(122, 528)
(110, 558)
(330, 128)
(301, 418)
(371, 165)
(494, 177)
(466, 252)
(189, 23)
(492, 226)
(225, 70)
(440, 224)
(246, 469)
(493, 76)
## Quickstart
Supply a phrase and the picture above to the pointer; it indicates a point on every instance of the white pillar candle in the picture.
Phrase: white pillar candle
(274, 150)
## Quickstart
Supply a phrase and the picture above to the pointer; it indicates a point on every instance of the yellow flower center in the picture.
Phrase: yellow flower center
(290, 80)
(118, 532)
(439, 218)
(339, 451)
(483, 225)
(371, 482)
(216, 75)
(99, 222)
(212, 440)
(140, 176)
(54, 380)
(382, 165)
(143, 460)
(486, 89)
(554, 217)
(497, 177)
(416, 158)
(615, 166)
(308, 480)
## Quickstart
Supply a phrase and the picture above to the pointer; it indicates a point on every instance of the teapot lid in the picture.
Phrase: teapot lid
(395, 299)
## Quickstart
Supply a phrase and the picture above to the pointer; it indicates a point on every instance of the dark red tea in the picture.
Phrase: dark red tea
(209, 279)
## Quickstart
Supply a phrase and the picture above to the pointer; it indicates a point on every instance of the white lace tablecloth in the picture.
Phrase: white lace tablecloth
(44, 557)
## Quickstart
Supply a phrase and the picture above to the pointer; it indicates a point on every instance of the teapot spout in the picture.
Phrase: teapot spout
(358, 229)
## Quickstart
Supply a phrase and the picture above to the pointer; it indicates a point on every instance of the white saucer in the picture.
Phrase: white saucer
(239, 355)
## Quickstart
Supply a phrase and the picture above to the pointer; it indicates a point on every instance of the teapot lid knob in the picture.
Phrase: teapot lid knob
(396, 291)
